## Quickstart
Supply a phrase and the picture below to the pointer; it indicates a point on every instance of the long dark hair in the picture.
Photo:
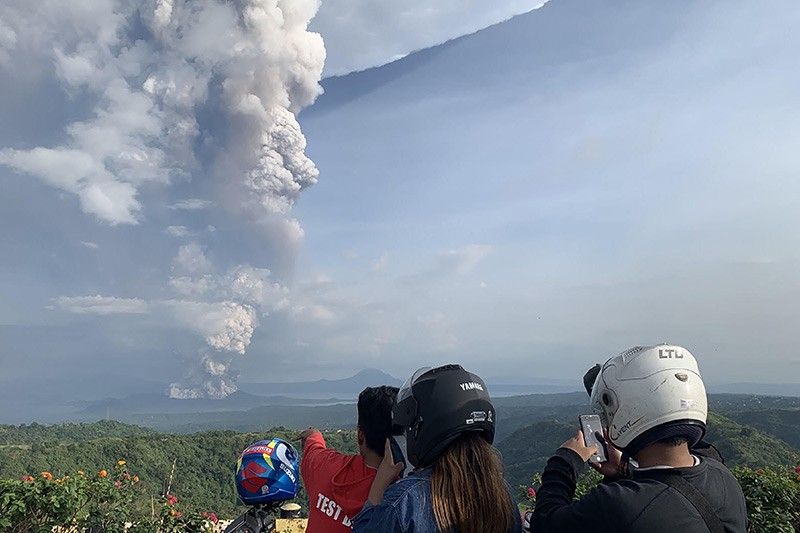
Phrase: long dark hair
(468, 490)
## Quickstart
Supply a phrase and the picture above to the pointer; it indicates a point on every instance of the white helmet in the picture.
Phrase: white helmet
(649, 387)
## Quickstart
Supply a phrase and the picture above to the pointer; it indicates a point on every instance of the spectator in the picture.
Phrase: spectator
(653, 406)
(458, 486)
(338, 484)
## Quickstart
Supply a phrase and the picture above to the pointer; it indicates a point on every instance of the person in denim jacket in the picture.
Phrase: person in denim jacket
(457, 485)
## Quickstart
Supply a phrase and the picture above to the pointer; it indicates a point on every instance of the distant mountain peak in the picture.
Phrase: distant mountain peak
(374, 373)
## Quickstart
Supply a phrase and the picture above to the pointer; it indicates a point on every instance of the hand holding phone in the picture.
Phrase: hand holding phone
(593, 435)
(397, 453)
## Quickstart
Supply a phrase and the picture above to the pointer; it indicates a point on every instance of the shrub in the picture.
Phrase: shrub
(772, 495)
(773, 498)
(112, 500)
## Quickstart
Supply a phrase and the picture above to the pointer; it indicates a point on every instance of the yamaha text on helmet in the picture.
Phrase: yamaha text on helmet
(436, 405)
(649, 393)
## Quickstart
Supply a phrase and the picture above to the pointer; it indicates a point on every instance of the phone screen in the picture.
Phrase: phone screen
(592, 427)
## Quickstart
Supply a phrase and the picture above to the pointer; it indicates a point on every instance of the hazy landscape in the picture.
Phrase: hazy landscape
(221, 223)
(749, 430)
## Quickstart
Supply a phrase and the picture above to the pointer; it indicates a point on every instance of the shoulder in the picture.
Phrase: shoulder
(720, 476)
(627, 497)
(327, 459)
(716, 468)
(404, 507)
(414, 486)
(718, 473)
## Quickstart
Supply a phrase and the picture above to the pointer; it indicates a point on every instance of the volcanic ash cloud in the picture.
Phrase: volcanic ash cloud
(200, 90)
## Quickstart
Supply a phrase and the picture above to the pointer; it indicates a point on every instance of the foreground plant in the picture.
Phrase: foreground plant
(108, 500)
(772, 495)
(773, 498)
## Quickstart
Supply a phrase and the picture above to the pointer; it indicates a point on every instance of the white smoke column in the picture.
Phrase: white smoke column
(252, 61)
(227, 328)
(167, 77)
(227, 324)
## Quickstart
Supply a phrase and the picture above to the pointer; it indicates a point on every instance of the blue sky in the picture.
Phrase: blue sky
(526, 200)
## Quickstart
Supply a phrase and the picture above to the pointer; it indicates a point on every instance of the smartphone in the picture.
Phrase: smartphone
(593, 434)
(398, 446)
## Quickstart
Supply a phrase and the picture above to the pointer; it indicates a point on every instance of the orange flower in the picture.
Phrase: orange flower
(47, 475)
(136, 478)
(103, 473)
(175, 513)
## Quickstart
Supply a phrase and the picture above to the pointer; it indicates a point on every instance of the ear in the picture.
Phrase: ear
(361, 438)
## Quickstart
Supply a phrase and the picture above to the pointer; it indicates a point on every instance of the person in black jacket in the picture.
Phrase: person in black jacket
(653, 406)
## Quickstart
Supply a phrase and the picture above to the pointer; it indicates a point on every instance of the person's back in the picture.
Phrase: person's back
(441, 497)
(458, 485)
(653, 406)
(337, 484)
(643, 502)
(664, 509)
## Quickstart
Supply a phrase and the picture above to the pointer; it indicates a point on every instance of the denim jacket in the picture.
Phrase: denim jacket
(406, 508)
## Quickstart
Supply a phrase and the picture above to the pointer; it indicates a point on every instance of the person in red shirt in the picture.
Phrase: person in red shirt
(338, 484)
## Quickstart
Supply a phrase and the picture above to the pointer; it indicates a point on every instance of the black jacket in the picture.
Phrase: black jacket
(639, 504)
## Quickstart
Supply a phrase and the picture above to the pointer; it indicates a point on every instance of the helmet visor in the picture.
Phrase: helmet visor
(405, 407)
(405, 390)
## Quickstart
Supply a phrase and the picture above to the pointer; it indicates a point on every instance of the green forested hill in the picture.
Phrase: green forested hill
(75, 432)
(526, 451)
(743, 445)
(782, 423)
(205, 462)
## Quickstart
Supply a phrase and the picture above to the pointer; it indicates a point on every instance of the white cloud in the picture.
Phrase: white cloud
(315, 313)
(191, 204)
(463, 260)
(90, 244)
(79, 173)
(226, 326)
(380, 264)
(147, 87)
(364, 33)
(194, 287)
(178, 231)
(8, 39)
(227, 329)
(102, 305)
(448, 263)
(255, 286)
(191, 259)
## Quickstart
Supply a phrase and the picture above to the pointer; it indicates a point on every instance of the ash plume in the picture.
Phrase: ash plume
(156, 71)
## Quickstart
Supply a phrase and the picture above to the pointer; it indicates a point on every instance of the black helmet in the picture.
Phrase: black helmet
(437, 405)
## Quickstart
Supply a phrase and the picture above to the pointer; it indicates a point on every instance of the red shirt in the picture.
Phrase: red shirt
(337, 486)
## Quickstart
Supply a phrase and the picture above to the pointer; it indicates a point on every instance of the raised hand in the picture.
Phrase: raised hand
(578, 445)
(613, 467)
(388, 472)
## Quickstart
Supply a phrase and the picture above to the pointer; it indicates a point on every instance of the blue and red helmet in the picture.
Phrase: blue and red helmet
(267, 472)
